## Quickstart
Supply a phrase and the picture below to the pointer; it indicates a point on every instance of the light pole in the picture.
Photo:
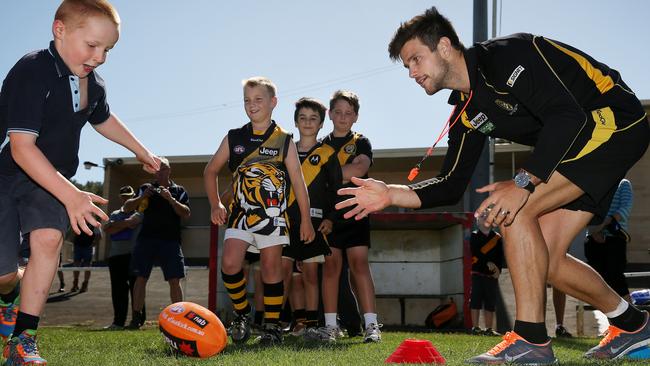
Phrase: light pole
(108, 162)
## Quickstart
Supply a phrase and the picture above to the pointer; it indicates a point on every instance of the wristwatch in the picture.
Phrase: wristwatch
(522, 180)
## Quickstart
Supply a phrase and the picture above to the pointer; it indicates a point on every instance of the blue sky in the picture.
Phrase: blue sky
(175, 76)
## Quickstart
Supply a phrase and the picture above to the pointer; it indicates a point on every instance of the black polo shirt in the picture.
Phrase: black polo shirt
(160, 220)
(40, 96)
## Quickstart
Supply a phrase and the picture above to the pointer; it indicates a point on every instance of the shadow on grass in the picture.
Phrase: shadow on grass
(289, 344)
(61, 296)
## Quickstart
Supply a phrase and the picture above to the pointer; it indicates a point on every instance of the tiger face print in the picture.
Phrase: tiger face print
(260, 193)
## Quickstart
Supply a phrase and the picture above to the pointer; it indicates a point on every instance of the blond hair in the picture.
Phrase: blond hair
(261, 81)
(75, 11)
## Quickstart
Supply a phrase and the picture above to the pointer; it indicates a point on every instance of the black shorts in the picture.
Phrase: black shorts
(351, 233)
(299, 251)
(484, 292)
(598, 172)
(252, 257)
(167, 253)
(25, 207)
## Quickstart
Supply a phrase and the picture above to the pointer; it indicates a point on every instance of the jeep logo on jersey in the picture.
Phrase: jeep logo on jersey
(314, 159)
(515, 74)
(477, 121)
(350, 149)
(239, 149)
(506, 106)
(196, 319)
(268, 151)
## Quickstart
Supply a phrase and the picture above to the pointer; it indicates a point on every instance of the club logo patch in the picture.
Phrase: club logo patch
(177, 309)
(515, 74)
(238, 149)
(314, 159)
(506, 106)
(350, 149)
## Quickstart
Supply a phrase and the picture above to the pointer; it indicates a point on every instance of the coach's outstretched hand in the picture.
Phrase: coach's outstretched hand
(371, 195)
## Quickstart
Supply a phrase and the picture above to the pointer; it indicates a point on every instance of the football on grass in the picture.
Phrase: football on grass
(192, 330)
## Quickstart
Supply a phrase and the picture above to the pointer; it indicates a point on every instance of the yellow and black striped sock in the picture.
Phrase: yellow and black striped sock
(273, 302)
(312, 319)
(236, 287)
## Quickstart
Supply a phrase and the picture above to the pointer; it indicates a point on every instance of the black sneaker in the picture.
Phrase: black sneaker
(240, 329)
(491, 332)
(561, 332)
(137, 321)
(272, 335)
(476, 331)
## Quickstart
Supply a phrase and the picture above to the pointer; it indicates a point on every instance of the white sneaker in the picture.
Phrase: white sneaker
(373, 334)
(323, 334)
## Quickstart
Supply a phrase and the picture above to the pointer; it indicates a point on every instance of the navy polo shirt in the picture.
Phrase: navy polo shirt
(40, 96)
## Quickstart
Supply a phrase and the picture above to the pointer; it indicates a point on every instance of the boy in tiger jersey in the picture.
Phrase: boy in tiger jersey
(354, 153)
(322, 173)
(261, 155)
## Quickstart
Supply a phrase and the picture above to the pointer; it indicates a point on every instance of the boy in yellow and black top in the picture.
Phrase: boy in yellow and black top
(579, 116)
(261, 155)
(487, 260)
(354, 153)
(322, 173)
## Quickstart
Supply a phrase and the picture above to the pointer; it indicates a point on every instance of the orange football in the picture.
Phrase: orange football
(192, 330)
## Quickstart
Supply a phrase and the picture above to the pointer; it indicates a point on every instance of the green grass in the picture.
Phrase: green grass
(80, 346)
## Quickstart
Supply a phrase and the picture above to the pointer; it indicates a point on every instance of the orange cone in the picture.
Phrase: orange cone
(416, 351)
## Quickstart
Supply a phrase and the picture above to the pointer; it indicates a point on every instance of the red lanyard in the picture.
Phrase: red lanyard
(445, 130)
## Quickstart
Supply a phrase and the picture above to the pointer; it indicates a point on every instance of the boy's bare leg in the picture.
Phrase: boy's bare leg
(310, 283)
(364, 285)
(8, 281)
(331, 278)
(41, 269)
(234, 251)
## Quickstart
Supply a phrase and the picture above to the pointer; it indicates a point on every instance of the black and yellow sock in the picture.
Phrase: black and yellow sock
(312, 319)
(236, 287)
(273, 296)
(299, 316)
(25, 322)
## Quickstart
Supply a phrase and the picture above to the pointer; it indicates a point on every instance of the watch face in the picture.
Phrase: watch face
(522, 179)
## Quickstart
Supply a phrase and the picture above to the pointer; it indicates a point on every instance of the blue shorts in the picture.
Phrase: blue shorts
(25, 207)
(167, 253)
(83, 254)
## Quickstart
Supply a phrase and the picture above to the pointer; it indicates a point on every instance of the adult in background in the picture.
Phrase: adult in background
(164, 204)
(581, 119)
(84, 249)
(122, 226)
(606, 244)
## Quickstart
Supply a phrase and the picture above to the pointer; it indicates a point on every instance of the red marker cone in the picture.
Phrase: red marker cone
(416, 351)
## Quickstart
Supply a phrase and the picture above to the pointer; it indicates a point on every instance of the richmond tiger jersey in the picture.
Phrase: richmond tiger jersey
(259, 180)
(322, 172)
(347, 148)
(537, 92)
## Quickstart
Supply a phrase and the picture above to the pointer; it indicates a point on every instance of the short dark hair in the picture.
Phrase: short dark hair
(346, 95)
(310, 103)
(428, 28)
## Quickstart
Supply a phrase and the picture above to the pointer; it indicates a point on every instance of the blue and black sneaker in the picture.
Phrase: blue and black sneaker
(517, 351)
